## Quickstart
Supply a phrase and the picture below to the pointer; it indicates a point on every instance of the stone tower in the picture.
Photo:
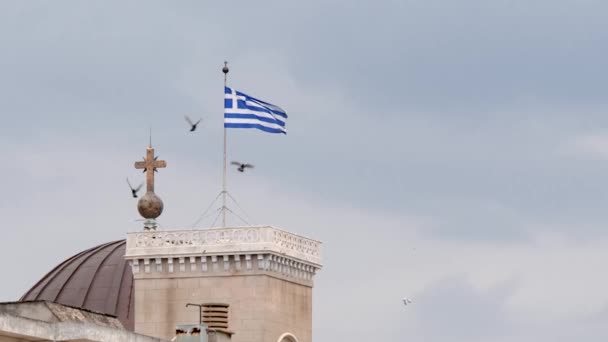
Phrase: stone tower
(264, 275)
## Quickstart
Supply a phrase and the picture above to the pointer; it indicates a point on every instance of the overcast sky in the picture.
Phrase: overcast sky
(454, 152)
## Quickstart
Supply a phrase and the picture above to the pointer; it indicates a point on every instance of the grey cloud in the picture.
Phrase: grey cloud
(411, 55)
(453, 310)
(435, 55)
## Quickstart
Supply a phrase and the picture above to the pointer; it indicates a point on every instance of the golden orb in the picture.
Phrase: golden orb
(150, 206)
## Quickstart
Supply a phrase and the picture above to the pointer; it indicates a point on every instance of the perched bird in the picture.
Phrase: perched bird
(134, 190)
(242, 166)
(406, 301)
(193, 125)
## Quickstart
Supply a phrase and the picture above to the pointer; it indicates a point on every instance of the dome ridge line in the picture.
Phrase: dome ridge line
(86, 295)
(82, 261)
(98, 279)
(112, 303)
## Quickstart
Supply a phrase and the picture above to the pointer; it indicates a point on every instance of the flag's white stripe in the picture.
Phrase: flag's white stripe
(252, 111)
(252, 102)
(234, 98)
(264, 107)
(262, 114)
(254, 121)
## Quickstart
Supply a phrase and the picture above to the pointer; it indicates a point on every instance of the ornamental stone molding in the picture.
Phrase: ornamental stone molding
(221, 251)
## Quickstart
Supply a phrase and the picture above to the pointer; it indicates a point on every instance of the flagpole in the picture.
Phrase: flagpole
(224, 191)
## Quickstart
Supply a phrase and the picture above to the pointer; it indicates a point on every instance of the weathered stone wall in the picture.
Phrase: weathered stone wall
(36, 330)
(262, 307)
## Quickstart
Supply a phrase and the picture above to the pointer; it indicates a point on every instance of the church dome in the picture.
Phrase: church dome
(98, 279)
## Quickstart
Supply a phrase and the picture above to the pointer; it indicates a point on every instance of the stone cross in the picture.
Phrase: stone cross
(149, 165)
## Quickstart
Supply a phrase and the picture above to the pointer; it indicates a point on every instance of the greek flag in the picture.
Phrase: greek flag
(244, 111)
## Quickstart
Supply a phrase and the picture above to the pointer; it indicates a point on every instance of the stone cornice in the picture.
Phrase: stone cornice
(255, 240)
(224, 265)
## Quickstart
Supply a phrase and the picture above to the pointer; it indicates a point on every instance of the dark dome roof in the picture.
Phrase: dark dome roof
(98, 279)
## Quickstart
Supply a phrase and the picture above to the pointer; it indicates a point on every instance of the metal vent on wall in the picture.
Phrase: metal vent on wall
(215, 316)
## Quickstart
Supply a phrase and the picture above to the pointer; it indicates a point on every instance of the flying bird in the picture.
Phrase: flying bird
(242, 166)
(407, 301)
(193, 125)
(134, 190)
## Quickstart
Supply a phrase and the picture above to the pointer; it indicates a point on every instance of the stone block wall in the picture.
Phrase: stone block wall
(262, 306)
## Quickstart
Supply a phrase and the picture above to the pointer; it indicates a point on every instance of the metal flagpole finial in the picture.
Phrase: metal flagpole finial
(225, 68)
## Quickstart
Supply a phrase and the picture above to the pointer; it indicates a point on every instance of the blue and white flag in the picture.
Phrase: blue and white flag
(244, 111)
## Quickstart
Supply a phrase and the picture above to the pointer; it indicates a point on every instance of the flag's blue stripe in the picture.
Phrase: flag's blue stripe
(241, 104)
(258, 126)
(253, 116)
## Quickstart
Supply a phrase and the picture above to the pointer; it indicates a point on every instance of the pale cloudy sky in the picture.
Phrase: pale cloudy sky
(455, 152)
